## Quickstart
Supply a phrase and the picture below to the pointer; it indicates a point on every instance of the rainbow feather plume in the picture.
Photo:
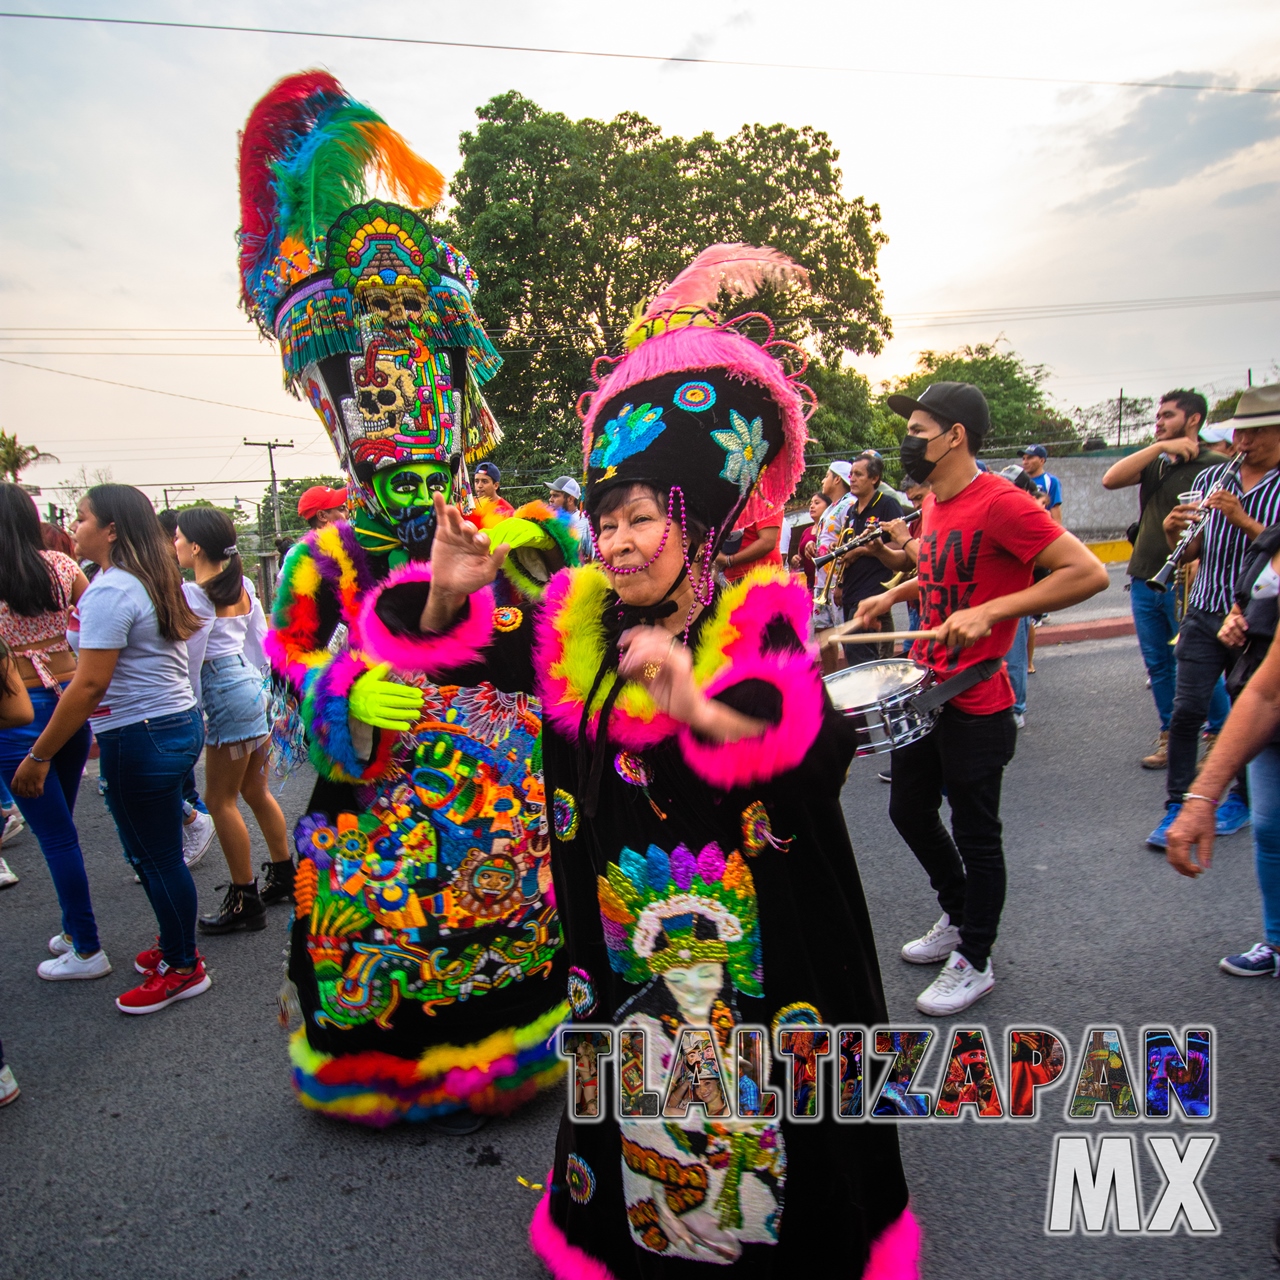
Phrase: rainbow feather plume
(308, 152)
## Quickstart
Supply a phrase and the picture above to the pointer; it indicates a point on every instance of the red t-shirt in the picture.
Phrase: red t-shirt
(976, 547)
(750, 535)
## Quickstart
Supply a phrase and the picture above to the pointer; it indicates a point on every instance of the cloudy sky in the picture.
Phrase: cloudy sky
(1011, 175)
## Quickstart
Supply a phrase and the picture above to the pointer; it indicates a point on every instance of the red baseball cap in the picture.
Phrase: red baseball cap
(318, 498)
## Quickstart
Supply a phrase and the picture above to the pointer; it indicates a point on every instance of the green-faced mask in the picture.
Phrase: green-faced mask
(406, 495)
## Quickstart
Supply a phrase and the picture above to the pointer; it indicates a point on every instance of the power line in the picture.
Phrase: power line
(681, 59)
(155, 391)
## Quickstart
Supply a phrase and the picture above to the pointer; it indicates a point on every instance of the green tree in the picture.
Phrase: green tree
(1122, 422)
(1020, 410)
(15, 458)
(572, 224)
(1226, 407)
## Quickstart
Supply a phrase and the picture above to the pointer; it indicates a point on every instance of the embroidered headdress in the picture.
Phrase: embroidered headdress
(662, 911)
(696, 404)
(372, 313)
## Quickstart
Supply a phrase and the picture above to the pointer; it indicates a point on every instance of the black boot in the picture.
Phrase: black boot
(277, 885)
(241, 909)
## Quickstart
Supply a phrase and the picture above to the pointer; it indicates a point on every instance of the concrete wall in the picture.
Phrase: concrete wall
(1092, 513)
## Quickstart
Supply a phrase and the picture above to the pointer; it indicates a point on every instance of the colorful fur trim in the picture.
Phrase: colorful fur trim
(895, 1254)
(526, 568)
(729, 652)
(697, 347)
(436, 655)
(568, 646)
(325, 711)
(492, 1077)
(565, 1261)
(329, 556)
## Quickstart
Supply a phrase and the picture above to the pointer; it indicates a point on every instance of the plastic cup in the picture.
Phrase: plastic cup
(1190, 499)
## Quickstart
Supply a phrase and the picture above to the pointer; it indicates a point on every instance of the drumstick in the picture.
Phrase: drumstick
(838, 635)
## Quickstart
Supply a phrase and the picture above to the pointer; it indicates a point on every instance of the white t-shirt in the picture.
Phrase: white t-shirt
(219, 637)
(150, 678)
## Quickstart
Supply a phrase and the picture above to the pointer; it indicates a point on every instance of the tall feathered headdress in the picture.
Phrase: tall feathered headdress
(696, 404)
(371, 311)
(308, 153)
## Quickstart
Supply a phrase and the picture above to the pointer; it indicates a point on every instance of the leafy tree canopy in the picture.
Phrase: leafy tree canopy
(573, 223)
(15, 458)
(1020, 410)
(1226, 407)
(291, 524)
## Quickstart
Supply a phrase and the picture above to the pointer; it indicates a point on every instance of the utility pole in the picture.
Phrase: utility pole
(1120, 417)
(176, 488)
(271, 446)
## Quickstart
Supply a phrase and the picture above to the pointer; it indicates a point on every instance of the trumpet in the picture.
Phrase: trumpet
(1171, 566)
(822, 598)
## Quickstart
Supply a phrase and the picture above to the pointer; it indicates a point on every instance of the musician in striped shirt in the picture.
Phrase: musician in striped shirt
(1239, 508)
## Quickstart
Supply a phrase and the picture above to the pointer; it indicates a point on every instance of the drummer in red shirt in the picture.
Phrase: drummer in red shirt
(980, 538)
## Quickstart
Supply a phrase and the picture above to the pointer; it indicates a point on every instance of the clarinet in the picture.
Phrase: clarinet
(873, 533)
(1171, 566)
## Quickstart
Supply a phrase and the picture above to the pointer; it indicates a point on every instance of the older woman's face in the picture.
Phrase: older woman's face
(629, 536)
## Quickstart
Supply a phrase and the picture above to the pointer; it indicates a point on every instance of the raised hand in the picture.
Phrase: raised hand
(462, 561)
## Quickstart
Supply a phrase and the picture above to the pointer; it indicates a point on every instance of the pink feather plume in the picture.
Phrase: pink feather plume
(738, 269)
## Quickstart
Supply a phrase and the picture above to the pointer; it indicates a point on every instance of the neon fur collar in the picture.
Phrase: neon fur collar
(570, 646)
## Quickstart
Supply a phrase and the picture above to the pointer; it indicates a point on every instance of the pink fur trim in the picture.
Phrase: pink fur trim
(565, 1261)
(768, 595)
(696, 347)
(436, 654)
(561, 706)
(895, 1255)
(780, 747)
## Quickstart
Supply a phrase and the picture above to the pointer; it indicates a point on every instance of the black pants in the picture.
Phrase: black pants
(966, 754)
(1202, 658)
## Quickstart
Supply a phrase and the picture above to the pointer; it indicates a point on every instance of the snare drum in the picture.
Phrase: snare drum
(877, 696)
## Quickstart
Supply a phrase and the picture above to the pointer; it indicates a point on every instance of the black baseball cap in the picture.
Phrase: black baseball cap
(949, 402)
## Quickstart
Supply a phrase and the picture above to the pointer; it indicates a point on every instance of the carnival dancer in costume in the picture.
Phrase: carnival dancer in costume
(426, 950)
(694, 766)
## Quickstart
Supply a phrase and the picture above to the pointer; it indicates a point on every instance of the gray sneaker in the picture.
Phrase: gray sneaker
(197, 836)
(8, 877)
(936, 945)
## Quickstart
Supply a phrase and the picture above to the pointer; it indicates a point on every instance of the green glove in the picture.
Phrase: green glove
(517, 533)
(383, 703)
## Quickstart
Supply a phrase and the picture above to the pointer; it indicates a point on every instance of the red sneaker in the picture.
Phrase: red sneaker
(162, 987)
(148, 961)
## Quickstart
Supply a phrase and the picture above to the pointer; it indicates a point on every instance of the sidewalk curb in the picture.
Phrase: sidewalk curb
(1096, 629)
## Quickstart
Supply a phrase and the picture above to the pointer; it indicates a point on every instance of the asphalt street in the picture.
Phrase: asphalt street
(149, 1148)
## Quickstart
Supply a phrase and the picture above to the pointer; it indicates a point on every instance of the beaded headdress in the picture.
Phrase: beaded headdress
(372, 313)
(697, 405)
(661, 911)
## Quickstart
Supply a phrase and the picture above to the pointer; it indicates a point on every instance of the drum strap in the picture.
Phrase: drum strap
(948, 689)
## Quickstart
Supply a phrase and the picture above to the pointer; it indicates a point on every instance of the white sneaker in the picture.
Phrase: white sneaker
(936, 945)
(957, 987)
(59, 944)
(197, 836)
(1019, 719)
(8, 1087)
(8, 877)
(71, 966)
(13, 827)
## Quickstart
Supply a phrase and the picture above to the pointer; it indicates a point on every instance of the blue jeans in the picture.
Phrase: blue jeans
(1015, 662)
(1264, 795)
(1156, 623)
(6, 800)
(913, 624)
(144, 766)
(51, 816)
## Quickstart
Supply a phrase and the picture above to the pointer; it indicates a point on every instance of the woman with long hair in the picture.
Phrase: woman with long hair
(38, 589)
(133, 688)
(226, 660)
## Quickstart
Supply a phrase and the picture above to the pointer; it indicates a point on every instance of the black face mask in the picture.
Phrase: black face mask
(914, 463)
(417, 530)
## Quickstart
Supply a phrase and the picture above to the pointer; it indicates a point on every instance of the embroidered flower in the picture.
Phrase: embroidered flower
(632, 768)
(507, 618)
(564, 810)
(582, 992)
(746, 447)
(314, 837)
(695, 396)
(581, 1181)
(631, 432)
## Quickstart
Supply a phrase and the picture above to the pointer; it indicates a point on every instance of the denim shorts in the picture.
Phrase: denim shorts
(235, 701)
